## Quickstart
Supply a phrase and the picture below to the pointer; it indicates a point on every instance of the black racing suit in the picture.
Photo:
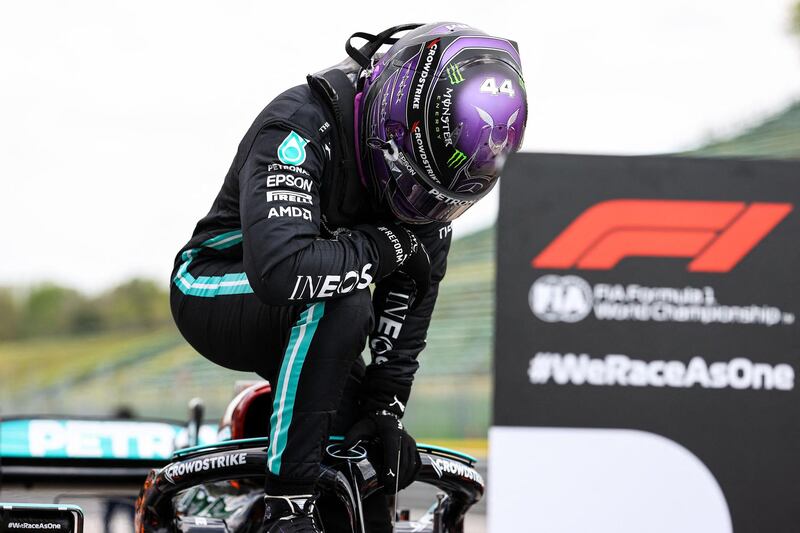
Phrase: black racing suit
(275, 281)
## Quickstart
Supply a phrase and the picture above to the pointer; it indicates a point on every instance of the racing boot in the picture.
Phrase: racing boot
(289, 514)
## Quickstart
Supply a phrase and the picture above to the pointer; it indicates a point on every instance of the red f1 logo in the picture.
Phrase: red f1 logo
(717, 235)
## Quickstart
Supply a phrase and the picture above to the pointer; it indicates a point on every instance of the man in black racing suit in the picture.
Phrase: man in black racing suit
(333, 189)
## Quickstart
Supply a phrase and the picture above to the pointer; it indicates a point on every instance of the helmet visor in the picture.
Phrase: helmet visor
(411, 187)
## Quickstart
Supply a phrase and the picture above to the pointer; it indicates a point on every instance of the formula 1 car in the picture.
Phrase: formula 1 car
(219, 487)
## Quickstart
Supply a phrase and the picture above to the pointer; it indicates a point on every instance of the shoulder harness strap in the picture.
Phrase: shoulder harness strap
(339, 93)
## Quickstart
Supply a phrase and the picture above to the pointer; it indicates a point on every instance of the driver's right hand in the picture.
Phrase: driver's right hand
(400, 462)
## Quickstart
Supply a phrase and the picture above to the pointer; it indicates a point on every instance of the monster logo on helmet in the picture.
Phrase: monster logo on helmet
(448, 102)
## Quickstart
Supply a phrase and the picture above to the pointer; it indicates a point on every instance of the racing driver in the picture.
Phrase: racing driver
(348, 181)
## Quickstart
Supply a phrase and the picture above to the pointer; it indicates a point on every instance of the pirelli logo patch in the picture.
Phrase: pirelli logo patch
(289, 196)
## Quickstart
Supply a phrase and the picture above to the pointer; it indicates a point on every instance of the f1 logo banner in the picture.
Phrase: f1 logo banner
(647, 345)
(717, 235)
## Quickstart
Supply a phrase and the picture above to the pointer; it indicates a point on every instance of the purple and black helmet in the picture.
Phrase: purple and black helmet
(436, 117)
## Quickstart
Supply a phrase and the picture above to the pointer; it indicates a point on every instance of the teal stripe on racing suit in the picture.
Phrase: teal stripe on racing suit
(286, 388)
(210, 286)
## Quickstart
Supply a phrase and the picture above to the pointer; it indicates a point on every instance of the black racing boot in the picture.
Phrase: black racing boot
(289, 514)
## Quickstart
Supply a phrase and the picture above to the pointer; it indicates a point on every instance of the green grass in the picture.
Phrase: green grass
(43, 363)
(776, 137)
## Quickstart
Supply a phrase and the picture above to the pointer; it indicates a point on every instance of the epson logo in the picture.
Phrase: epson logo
(423, 75)
(406, 164)
(307, 287)
(289, 180)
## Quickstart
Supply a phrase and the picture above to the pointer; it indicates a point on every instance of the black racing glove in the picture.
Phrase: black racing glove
(400, 250)
(395, 443)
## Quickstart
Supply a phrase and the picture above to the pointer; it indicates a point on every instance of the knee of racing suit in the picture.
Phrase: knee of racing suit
(350, 320)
